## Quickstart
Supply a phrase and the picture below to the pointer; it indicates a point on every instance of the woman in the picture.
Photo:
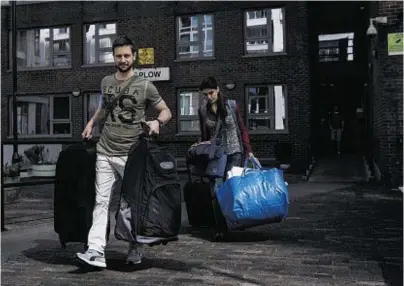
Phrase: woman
(232, 134)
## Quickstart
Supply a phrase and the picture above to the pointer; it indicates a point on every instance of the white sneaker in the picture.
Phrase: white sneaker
(135, 255)
(93, 257)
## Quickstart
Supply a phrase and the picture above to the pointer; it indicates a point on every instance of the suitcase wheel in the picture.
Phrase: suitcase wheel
(164, 242)
(63, 244)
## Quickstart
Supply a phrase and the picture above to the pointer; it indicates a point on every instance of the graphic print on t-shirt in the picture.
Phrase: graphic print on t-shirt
(125, 110)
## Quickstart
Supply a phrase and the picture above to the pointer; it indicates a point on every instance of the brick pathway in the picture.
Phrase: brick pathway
(334, 236)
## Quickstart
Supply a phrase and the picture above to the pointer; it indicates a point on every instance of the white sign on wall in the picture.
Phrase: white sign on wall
(154, 74)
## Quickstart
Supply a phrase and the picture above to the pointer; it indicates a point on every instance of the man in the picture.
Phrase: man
(122, 128)
(336, 127)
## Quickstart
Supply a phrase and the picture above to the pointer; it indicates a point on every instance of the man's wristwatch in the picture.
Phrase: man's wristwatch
(161, 123)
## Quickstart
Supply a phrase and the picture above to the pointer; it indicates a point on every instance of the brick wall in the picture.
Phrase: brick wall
(152, 24)
(388, 96)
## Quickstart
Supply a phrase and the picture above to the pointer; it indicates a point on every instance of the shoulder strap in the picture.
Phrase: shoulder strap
(113, 103)
(218, 126)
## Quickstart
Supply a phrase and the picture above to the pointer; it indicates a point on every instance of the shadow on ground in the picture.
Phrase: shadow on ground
(50, 252)
(362, 222)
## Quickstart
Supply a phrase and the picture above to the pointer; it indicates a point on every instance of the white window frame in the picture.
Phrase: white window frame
(51, 119)
(86, 117)
(200, 43)
(51, 52)
(97, 39)
(269, 36)
(270, 108)
(182, 118)
(329, 47)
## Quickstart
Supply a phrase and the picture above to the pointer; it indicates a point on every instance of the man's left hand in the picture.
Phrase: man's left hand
(154, 126)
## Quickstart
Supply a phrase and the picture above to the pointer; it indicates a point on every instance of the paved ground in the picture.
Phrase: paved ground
(343, 168)
(335, 235)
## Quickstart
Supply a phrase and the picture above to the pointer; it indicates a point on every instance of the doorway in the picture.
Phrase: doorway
(339, 73)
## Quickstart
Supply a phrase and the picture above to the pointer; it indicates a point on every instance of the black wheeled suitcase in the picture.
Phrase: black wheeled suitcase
(74, 193)
(198, 201)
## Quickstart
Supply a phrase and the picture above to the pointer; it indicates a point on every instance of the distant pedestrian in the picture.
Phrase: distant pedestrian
(337, 127)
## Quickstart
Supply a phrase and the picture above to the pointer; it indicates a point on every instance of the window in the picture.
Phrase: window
(264, 31)
(91, 103)
(189, 102)
(98, 43)
(195, 37)
(42, 48)
(266, 108)
(336, 47)
(39, 115)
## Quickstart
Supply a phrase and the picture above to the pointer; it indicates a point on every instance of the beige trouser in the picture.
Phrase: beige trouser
(109, 170)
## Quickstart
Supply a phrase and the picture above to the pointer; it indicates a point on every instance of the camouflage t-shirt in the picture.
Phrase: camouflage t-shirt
(122, 127)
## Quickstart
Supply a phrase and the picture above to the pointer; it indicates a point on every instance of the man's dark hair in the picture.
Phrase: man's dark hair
(208, 82)
(123, 41)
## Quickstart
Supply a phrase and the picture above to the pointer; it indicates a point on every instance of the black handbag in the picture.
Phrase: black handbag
(209, 156)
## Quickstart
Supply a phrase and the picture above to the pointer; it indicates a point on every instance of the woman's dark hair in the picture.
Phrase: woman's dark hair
(211, 83)
(123, 41)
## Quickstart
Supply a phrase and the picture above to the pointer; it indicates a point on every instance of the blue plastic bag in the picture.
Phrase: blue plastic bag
(256, 197)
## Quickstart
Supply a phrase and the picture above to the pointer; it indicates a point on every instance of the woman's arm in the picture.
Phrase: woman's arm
(245, 139)
(202, 126)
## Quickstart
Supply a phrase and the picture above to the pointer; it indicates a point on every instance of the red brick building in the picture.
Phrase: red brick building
(266, 50)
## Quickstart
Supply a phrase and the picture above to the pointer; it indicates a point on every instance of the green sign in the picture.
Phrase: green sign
(395, 44)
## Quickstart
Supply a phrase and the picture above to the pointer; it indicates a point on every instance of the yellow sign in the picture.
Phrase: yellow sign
(146, 56)
(395, 44)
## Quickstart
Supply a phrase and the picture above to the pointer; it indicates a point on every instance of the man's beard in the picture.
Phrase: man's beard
(124, 69)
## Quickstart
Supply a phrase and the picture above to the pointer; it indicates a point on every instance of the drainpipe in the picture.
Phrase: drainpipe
(15, 158)
(14, 59)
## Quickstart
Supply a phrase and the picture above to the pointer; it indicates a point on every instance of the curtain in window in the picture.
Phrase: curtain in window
(44, 119)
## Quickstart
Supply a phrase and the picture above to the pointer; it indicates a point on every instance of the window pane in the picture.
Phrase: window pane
(255, 47)
(258, 105)
(33, 48)
(61, 107)
(185, 52)
(106, 57)
(257, 31)
(89, 51)
(256, 26)
(195, 36)
(329, 45)
(259, 124)
(189, 126)
(61, 40)
(190, 102)
(277, 24)
(93, 101)
(99, 36)
(189, 105)
(207, 36)
(107, 29)
(279, 107)
(61, 128)
(32, 115)
(258, 100)
(187, 29)
(61, 60)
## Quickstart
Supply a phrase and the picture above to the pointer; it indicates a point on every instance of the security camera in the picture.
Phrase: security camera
(372, 29)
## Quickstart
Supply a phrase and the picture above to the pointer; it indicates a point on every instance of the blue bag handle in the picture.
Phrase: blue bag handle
(256, 164)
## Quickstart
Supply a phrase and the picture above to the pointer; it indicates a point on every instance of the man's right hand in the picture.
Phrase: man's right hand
(87, 133)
